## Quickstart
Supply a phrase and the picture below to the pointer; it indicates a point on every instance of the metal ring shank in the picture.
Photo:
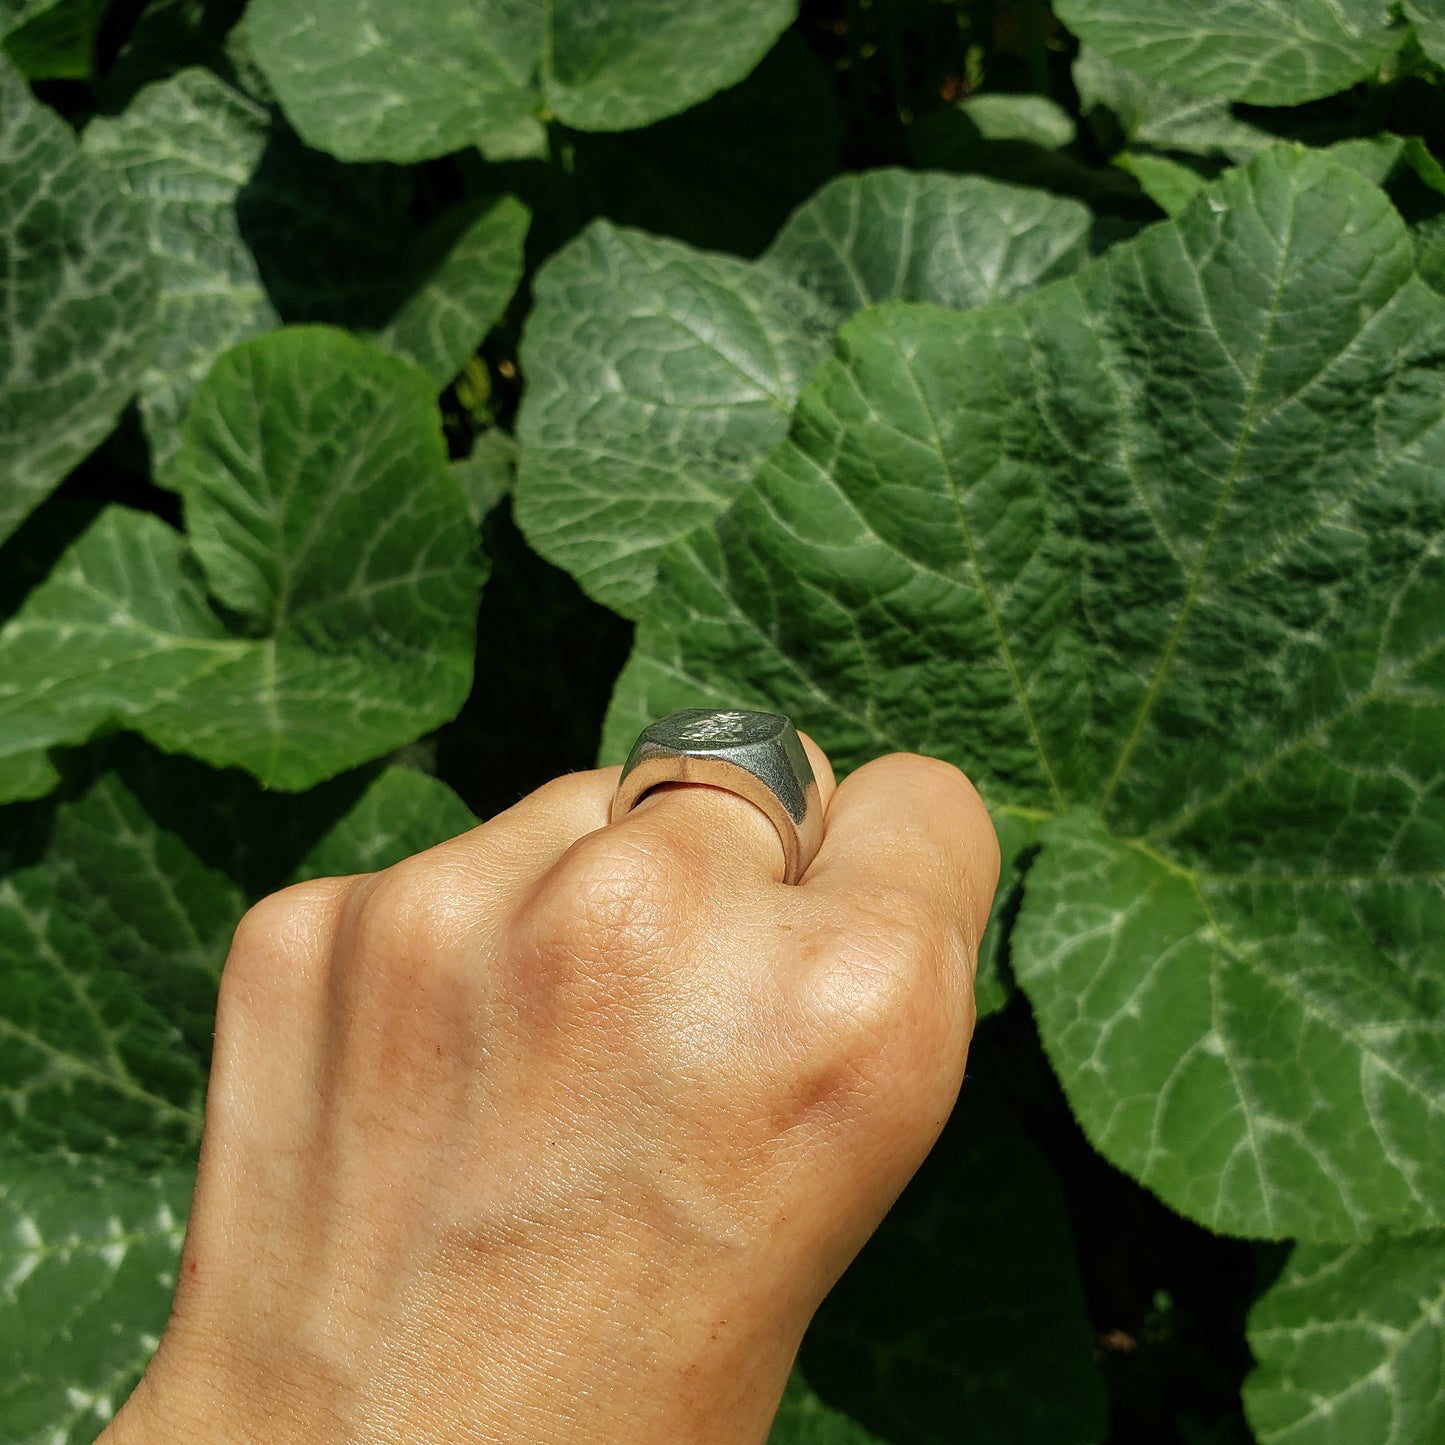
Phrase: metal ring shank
(800, 837)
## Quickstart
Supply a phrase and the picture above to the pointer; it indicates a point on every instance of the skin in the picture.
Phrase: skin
(561, 1131)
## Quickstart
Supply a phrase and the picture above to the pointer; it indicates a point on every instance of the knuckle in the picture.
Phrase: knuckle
(412, 912)
(279, 953)
(608, 899)
(890, 1011)
(597, 942)
(296, 922)
(865, 996)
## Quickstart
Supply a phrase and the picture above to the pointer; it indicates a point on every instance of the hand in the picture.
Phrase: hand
(561, 1131)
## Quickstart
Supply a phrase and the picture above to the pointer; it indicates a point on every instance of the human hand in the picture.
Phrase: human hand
(560, 1131)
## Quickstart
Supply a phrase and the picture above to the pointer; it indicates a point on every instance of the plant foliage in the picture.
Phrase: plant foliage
(1059, 393)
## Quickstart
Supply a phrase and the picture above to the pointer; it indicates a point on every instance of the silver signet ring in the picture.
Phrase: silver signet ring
(757, 755)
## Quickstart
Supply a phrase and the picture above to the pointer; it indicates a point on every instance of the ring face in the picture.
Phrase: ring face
(757, 755)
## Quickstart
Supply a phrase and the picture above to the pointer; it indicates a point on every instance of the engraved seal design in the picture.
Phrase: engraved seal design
(716, 727)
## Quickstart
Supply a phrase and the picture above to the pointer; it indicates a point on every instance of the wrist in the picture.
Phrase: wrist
(644, 1385)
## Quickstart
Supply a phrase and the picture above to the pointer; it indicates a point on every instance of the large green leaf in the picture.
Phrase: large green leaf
(1132, 112)
(1429, 239)
(1267, 52)
(252, 229)
(80, 293)
(1351, 1346)
(321, 609)
(401, 813)
(660, 377)
(111, 940)
(98, 1016)
(966, 1305)
(1428, 17)
(51, 39)
(87, 1268)
(367, 80)
(1155, 553)
(112, 934)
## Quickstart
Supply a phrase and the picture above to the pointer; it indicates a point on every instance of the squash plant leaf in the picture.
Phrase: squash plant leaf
(367, 80)
(1131, 112)
(51, 39)
(1349, 1342)
(660, 377)
(111, 940)
(1428, 17)
(1155, 554)
(967, 1304)
(402, 812)
(1266, 52)
(112, 936)
(252, 229)
(320, 610)
(80, 290)
(88, 1252)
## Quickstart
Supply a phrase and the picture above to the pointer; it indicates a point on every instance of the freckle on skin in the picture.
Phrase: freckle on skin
(193, 1266)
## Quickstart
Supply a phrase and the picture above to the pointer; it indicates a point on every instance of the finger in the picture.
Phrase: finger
(512, 850)
(905, 824)
(720, 833)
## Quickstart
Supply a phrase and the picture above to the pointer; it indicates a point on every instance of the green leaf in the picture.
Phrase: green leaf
(87, 1268)
(111, 940)
(51, 39)
(1429, 239)
(1130, 111)
(1350, 1343)
(366, 80)
(1018, 836)
(1191, 984)
(1428, 18)
(80, 298)
(1169, 184)
(1160, 543)
(322, 610)
(487, 474)
(252, 229)
(1267, 52)
(660, 377)
(1375, 157)
(803, 1419)
(1032, 118)
(401, 813)
(966, 1304)
(108, 977)
(954, 241)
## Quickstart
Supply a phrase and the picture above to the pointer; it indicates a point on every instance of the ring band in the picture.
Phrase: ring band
(757, 755)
